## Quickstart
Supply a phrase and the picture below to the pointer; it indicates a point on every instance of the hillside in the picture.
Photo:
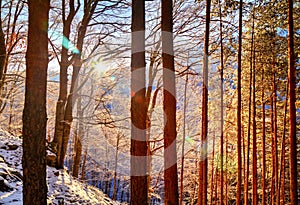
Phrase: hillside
(61, 186)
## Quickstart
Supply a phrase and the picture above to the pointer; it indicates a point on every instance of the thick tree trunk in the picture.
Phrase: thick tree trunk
(138, 150)
(292, 94)
(34, 115)
(169, 105)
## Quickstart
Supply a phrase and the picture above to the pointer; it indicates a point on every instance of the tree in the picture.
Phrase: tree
(204, 160)
(2, 46)
(292, 95)
(66, 100)
(138, 149)
(34, 115)
(239, 107)
(169, 104)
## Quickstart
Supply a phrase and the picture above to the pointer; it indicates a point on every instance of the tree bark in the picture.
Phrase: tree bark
(282, 168)
(183, 140)
(2, 47)
(78, 139)
(203, 159)
(263, 141)
(239, 108)
(169, 105)
(222, 107)
(63, 83)
(34, 115)
(292, 94)
(138, 150)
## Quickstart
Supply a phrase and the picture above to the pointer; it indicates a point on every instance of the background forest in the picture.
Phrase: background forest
(156, 102)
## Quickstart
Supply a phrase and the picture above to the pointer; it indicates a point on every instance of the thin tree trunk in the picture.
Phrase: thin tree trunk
(34, 114)
(282, 169)
(183, 140)
(263, 140)
(63, 84)
(274, 188)
(246, 185)
(254, 169)
(78, 139)
(116, 167)
(83, 165)
(239, 108)
(2, 47)
(222, 106)
(204, 160)
(292, 106)
(216, 187)
(254, 155)
(226, 176)
(273, 151)
(212, 174)
(138, 149)
(169, 105)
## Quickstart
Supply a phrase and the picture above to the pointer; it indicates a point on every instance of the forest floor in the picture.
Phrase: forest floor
(61, 186)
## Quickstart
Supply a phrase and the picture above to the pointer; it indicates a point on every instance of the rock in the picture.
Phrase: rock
(2, 159)
(4, 186)
(51, 160)
(12, 147)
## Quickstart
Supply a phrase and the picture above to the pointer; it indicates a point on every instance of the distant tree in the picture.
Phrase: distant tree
(34, 115)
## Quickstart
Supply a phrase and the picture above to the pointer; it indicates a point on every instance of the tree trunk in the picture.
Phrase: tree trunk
(116, 167)
(212, 175)
(254, 155)
(246, 186)
(183, 140)
(282, 168)
(34, 115)
(78, 139)
(292, 94)
(138, 150)
(204, 161)
(169, 105)
(254, 168)
(63, 84)
(2, 47)
(222, 106)
(263, 141)
(239, 108)
(83, 165)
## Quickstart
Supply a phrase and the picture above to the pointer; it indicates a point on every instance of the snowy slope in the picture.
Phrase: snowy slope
(61, 186)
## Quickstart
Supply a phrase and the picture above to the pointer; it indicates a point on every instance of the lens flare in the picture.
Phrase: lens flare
(66, 43)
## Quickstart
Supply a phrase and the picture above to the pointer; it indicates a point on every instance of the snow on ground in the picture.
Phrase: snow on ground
(61, 186)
